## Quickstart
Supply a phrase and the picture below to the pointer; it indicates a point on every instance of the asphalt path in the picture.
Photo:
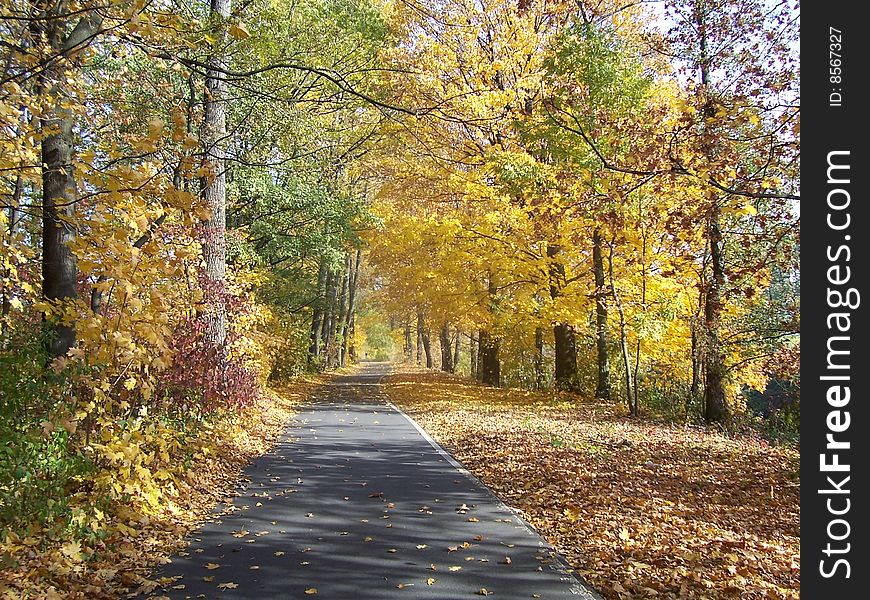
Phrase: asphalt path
(356, 502)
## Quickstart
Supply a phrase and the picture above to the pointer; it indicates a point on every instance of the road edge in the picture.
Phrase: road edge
(579, 586)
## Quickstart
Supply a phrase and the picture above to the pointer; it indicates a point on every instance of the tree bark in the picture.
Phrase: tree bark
(472, 354)
(565, 346)
(214, 192)
(351, 309)
(408, 345)
(446, 348)
(490, 367)
(341, 319)
(697, 363)
(540, 376)
(456, 349)
(478, 373)
(715, 403)
(424, 336)
(488, 357)
(602, 389)
(420, 349)
(630, 391)
(326, 328)
(419, 356)
(59, 192)
(317, 314)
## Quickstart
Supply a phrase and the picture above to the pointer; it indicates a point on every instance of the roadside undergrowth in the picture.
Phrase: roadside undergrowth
(639, 509)
(121, 541)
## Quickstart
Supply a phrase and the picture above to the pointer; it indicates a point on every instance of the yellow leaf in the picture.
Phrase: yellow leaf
(72, 550)
(239, 31)
(311, 591)
(155, 128)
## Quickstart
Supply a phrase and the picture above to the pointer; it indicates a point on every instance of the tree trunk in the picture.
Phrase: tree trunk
(456, 348)
(490, 368)
(419, 357)
(317, 315)
(565, 350)
(59, 197)
(427, 345)
(478, 373)
(214, 193)
(353, 274)
(643, 307)
(408, 344)
(565, 346)
(540, 376)
(630, 391)
(472, 354)
(602, 390)
(328, 328)
(715, 403)
(446, 348)
(341, 319)
(697, 363)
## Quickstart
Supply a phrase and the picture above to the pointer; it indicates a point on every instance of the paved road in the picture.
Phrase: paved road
(356, 503)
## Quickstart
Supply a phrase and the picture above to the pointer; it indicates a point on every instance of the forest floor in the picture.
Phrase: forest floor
(640, 509)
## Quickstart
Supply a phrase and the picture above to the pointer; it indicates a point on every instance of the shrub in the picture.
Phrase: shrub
(40, 465)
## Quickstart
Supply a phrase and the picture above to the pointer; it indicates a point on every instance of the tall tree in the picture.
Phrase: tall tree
(214, 185)
(66, 35)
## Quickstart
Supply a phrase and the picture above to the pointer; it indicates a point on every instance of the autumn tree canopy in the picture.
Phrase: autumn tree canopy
(200, 199)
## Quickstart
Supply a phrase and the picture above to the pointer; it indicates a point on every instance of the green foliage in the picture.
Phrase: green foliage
(379, 344)
(40, 463)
